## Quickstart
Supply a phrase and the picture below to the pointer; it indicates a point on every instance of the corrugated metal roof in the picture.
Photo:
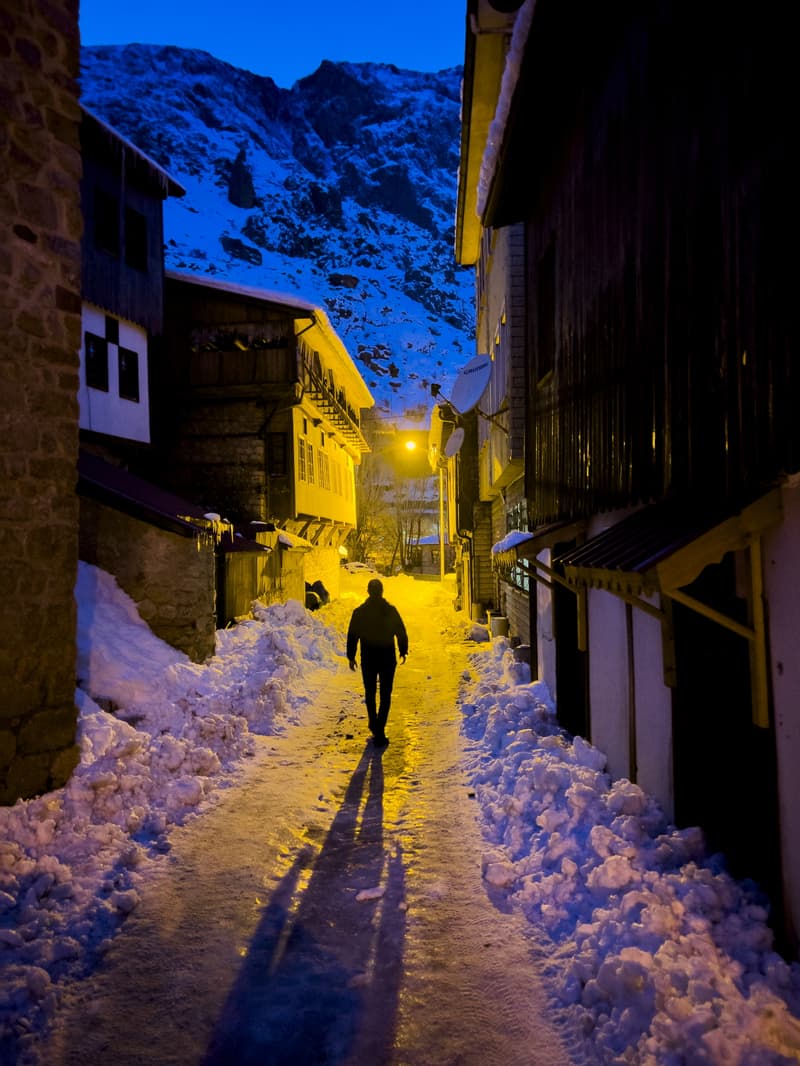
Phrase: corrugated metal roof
(117, 487)
(667, 545)
(642, 540)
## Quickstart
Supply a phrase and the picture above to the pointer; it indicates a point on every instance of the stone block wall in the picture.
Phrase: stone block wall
(40, 317)
(218, 459)
(170, 578)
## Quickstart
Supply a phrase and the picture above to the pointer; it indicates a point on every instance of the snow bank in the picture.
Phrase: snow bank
(661, 957)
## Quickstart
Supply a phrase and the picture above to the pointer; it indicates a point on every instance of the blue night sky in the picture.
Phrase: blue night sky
(288, 40)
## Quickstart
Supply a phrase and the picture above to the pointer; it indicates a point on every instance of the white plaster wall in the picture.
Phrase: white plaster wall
(782, 592)
(107, 412)
(608, 679)
(310, 498)
(653, 712)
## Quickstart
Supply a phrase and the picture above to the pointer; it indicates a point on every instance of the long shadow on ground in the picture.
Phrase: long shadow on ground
(320, 981)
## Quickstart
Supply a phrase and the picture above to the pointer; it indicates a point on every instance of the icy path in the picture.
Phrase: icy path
(330, 908)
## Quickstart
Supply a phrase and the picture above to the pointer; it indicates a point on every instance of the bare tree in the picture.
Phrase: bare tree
(393, 497)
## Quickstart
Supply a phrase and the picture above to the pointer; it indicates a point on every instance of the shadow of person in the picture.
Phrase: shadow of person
(320, 980)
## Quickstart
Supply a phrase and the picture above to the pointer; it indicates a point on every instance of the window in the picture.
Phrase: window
(106, 222)
(310, 462)
(276, 455)
(128, 365)
(301, 459)
(135, 239)
(519, 578)
(96, 354)
(517, 518)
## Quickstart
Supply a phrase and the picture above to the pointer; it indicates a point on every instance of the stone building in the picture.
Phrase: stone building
(40, 310)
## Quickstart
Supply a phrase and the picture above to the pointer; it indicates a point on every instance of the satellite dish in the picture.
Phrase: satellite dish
(454, 442)
(471, 381)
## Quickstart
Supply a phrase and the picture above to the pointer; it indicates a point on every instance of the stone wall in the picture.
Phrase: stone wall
(40, 316)
(170, 578)
(218, 459)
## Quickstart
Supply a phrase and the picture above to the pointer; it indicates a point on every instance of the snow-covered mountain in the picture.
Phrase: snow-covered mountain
(340, 190)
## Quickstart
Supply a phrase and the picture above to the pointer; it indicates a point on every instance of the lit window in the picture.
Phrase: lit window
(310, 462)
(301, 459)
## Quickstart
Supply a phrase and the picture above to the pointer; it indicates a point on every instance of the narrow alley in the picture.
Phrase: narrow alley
(330, 908)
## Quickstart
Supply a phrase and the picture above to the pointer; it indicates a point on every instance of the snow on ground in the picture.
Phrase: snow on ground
(661, 957)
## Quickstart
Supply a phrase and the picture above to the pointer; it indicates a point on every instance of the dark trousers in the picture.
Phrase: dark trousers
(378, 667)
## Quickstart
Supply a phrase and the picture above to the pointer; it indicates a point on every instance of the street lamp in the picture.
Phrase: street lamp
(411, 445)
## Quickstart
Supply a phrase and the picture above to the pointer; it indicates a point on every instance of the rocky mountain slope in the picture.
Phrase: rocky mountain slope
(340, 190)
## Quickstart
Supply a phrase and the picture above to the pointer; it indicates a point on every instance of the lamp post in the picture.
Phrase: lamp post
(411, 446)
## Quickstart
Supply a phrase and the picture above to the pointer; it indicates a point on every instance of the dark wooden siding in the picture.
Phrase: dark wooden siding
(220, 340)
(107, 279)
(660, 197)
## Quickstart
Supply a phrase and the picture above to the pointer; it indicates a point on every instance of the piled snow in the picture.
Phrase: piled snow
(71, 861)
(659, 954)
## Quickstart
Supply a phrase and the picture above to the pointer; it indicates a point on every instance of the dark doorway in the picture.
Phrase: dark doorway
(572, 674)
(716, 745)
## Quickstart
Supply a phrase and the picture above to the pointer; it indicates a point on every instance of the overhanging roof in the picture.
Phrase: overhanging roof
(516, 546)
(132, 155)
(117, 488)
(318, 330)
(665, 546)
(487, 34)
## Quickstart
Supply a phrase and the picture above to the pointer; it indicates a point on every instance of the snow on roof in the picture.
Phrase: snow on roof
(494, 142)
(511, 540)
(310, 310)
(170, 186)
(267, 295)
(291, 540)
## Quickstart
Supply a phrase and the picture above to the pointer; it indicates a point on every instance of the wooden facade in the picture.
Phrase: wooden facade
(123, 240)
(645, 149)
(257, 407)
(660, 242)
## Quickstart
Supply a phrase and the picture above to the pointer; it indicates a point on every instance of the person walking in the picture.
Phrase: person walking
(376, 624)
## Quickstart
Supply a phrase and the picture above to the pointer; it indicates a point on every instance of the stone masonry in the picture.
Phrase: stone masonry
(40, 315)
(170, 578)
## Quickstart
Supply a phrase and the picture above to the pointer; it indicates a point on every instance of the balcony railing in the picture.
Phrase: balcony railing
(331, 404)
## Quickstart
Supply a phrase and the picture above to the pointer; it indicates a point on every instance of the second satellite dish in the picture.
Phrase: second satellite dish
(454, 442)
(471, 381)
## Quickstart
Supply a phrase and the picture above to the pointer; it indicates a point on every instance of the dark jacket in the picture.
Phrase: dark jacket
(376, 624)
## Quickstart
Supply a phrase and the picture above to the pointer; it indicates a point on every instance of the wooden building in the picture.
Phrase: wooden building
(122, 195)
(259, 413)
(644, 151)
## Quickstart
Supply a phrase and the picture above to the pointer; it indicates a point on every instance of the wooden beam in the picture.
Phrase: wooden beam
(708, 612)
